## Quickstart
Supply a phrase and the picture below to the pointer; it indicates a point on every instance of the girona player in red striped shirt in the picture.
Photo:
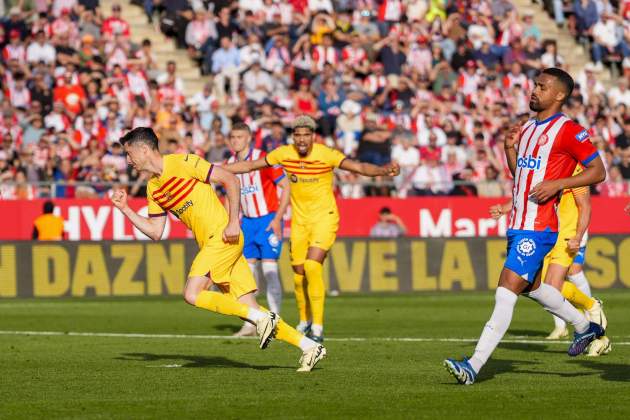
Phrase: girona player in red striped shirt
(542, 155)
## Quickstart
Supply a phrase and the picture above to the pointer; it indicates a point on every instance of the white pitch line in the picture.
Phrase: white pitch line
(228, 337)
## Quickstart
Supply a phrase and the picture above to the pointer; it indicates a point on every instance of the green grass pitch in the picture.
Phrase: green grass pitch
(101, 377)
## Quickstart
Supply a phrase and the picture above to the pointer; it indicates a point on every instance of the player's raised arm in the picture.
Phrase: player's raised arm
(510, 145)
(368, 169)
(152, 226)
(246, 166)
(232, 187)
(582, 198)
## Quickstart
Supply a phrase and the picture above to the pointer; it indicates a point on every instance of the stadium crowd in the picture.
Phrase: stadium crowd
(430, 84)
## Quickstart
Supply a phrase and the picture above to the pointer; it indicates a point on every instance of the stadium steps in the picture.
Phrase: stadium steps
(574, 54)
(163, 47)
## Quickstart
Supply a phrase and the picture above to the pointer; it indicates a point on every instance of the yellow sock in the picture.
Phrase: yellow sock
(300, 297)
(288, 334)
(220, 303)
(577, 298)
(315, 287)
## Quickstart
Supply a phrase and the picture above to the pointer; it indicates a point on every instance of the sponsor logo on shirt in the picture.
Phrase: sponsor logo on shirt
(529, 162)
(178, 212)
(295, 179)
(249, 189)
(581, 136)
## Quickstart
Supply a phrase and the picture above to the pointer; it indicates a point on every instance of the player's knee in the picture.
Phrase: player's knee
(190, 296)
(311, 268)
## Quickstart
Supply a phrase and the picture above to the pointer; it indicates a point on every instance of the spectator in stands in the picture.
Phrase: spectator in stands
(48, 226)
(607, 40)
(276, 138)
(225, 66)
(388, 226)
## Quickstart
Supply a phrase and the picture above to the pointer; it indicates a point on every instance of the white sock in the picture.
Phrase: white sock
(306, 343)
(504, 301)
(580, 281)
(302, 325)
(553, 302)
(559, 322)
(254, 268)
(255, 315)
(274, 288)
(317, 329)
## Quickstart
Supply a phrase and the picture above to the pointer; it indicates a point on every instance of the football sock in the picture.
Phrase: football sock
(290, 335)
(553, 302)
(495, 328)
(317, 329)
(559, 322)
(254, 268)
(579, 279)
(576, 296)
(315, 287)
(274, 289)
(226, 305)
(300, 297)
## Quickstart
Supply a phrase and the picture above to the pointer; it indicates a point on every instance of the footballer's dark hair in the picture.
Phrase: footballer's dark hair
(563, 77)
(241, 126)
(49, 207)
(144, 135)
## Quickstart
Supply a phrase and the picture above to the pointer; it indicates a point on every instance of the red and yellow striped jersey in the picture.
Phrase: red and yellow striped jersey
(311, 179)
(184, 189)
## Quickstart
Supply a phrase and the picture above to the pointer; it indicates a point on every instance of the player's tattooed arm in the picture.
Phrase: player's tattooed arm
(367, 169)
(246, 166)
(233, 192)
(150, 226)
(583, 203)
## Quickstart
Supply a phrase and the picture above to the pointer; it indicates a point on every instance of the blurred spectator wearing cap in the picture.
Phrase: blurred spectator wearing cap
(48, 226)
(388, 226)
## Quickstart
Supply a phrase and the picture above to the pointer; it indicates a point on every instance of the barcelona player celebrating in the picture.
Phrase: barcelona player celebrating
(315, 218)
(542, 156)
(180, 184)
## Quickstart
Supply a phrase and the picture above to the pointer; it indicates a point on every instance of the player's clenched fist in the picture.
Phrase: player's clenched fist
(119, 198)
(392, 169)
(513, 135)
(231, 233)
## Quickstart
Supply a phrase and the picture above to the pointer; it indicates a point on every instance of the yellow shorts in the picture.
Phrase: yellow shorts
(320, 234)
(559, 255)
(226, 266)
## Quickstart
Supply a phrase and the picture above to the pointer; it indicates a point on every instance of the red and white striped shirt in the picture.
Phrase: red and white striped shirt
(548, 150)
(259, 194)
(323, 55)
(353, 56)
(14, 52)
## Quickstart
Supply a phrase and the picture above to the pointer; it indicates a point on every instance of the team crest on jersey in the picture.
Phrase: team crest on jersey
(167, 195)
(581, 136)
(526, 247)
(543, 139)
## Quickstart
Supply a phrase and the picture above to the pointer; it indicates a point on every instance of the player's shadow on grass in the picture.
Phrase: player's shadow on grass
(533, 347)
(608, 372)
(527, 333)
(231, 328)
(192, 361)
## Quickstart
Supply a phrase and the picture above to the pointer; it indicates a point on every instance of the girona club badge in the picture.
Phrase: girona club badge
(543, 139)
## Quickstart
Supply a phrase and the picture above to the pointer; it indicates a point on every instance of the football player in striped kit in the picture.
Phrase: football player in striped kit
(542, 155)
